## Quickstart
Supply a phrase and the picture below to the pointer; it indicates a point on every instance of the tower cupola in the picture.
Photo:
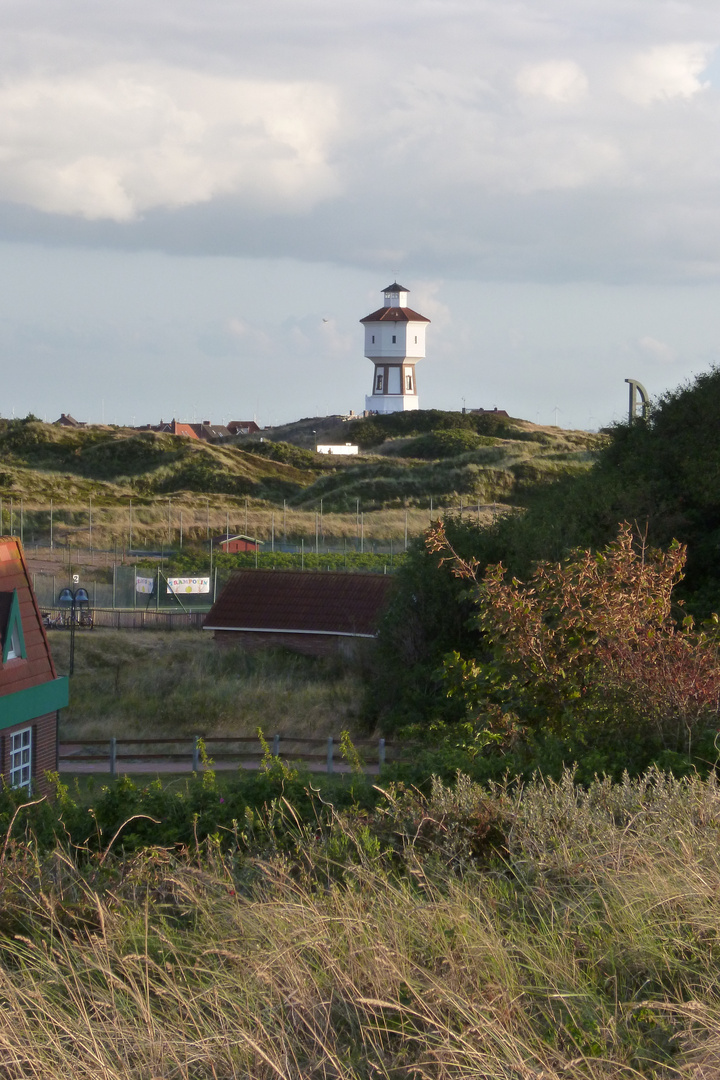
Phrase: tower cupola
(395, 295)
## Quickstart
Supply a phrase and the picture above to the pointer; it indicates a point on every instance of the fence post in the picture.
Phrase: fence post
(196, 754)
(113, 757)
(276, 746)
(330, 754)
(381, 753)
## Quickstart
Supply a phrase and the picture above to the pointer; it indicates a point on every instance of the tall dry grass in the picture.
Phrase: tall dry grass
(159, 684)
(152, 528)
(582, 942)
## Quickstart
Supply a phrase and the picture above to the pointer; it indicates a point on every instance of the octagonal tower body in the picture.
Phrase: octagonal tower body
(394, 341)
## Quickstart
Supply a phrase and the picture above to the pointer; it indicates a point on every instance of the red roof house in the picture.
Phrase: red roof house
(31, 694)
(231, 545)
(312, 612)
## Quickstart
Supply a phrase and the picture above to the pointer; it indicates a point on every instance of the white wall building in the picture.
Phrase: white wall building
(394, 341)
(333, 448)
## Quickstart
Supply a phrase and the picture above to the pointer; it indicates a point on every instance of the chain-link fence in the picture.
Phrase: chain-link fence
(122, 591)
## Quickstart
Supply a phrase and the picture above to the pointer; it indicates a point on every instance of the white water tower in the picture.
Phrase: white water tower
(394, 341)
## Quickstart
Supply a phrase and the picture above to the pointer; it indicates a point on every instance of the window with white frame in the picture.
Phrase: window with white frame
(21, 759)
(379, 383)
(408, 382)
(14, 649)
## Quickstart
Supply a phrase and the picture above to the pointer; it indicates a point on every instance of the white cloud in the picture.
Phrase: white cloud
(115, 142)
(665, 72)
(656, 350)
(561, 81)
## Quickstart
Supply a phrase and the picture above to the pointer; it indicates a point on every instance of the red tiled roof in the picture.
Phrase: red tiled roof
(37, 667)
(303, 601)
(394, 314)
(184, 429)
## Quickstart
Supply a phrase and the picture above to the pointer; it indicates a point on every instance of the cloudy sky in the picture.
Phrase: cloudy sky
(199, 201)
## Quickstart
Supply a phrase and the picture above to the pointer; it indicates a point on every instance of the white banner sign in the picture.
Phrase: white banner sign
(188, 584)
(144, 584)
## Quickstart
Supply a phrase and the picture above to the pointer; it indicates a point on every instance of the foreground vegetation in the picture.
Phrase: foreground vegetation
(509, 934)
(559, 920)
(663, 479)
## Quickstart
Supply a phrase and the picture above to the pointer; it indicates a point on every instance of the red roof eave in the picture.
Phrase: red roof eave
(397, 314)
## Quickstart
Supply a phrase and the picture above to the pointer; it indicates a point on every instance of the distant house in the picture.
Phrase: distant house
(31, 694)
(176, 428)
(232, 544)
(243, 427)
(211, 432)
(66, 420)
(306, 611)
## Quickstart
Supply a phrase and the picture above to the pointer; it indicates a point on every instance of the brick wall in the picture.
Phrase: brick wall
(44, 756)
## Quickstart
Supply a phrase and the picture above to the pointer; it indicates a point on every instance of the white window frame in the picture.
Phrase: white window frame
(21, 748)
(15, 648)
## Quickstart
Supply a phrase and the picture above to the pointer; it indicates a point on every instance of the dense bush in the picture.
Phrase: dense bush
(447, 443)
(428, 616)
(662, 475)
(587, 652)
(371, 431)
(287, 454)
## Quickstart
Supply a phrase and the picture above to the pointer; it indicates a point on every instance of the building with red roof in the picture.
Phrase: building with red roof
(31, 693)
(312, 612)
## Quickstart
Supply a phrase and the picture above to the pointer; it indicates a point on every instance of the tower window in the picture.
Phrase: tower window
(379, 383)
(373, 339)
(394, 339)
(408, 382)
(416, 339)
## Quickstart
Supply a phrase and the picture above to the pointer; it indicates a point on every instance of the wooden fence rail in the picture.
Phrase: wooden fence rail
(186, 754)
(140, 619)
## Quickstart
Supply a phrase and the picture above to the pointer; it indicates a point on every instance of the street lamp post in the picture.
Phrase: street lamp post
(70, 600)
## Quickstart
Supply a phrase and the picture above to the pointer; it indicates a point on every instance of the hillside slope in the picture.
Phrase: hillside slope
(40, 461)
(407, 460)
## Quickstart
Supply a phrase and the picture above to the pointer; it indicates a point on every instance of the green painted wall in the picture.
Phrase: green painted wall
(28, 704)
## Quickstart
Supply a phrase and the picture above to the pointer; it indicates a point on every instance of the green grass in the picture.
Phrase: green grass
(158, 684)
(543, 933)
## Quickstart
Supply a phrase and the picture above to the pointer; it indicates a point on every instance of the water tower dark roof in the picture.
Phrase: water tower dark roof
(395, 288)
(394, 314)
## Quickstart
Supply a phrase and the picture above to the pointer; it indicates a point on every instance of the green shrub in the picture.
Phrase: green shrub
(442, 444)
(588, 650)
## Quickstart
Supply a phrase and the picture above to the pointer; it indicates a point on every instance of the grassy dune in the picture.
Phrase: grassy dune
(548, 933)
(241, 486)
